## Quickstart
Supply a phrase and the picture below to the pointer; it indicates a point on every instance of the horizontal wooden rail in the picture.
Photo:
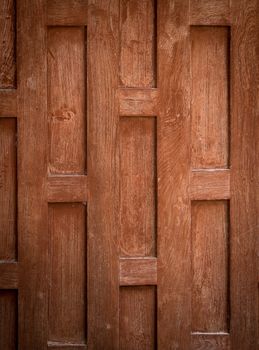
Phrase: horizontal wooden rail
(66, 12)
(210, 184)
(8, 106)
(210, 341)
(8, 275)
(66, 346)
(67, 188)
(210, 13)
(138, 102)
(138, 271)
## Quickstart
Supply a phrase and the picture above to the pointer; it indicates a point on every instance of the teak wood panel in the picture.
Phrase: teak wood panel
(153, 244)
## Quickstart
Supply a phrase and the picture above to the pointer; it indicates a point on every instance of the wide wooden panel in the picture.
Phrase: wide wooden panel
(67, 298)
(8, 320)
(8, 196)
(137, 318)
(137, 186)
(210, 266)
(210, 12)
(138, 43)
(210, 98)
(66, 100)
(7, 44)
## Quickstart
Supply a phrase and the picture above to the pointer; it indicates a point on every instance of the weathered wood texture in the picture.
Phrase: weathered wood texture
(32, 170)
(138, 102)
(103, 171)
(210, 341)
(210, 253)
(67, 188)
(67, 12)
(8, 193)
(210, 12)
(137, 186)
(138, 45)
(137, 318)
(244, 206)
(7, 44)
(173, 174)
(210, 100)
(66, 100)
(8, 320)
(138, 271)
(67, 288)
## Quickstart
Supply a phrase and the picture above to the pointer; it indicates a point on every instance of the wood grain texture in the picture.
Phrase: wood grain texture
(137, 318)
(244, 175)
(66, 100)
(210, 185)
(8, 106)
(138, 102)
(210, 12)
(8, 190)
(8, 275)
(210, 252)
(67, 12)
(67, 188)
(66, 346)
(137, 187)
(138, 46)
(8, 320)
(210, 98)
(32, 170)
(138, 271)
(103, 171)
(173, 175)
(210, 341)
(7, 44)
(67, 289)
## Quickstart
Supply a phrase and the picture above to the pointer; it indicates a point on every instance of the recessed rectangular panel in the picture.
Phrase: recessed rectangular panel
(8, 196)
(138, 186)
(210, 97)
(210, 226)
(138, 43)
(8, 319)
(66, 100)
(67, 294)
(137, 318)
(7, 44)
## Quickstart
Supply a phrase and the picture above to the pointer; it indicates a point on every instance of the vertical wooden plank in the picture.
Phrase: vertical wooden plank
(8, 196)
(210, 266)
(244, 174)
(173, 175)
(67, 297)
(137, 186)
(66, 100)
(138, 318)
(210, 98)
(103, 199)
(32, 170)
(8, 320)
(137, 40)
(7, 44)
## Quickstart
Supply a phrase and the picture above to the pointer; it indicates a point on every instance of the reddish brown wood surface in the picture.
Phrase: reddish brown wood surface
(128, 174)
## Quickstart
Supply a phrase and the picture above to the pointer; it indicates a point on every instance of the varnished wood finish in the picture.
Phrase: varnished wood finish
(103, 171)
(244, 175)
(173, 175)
(67, 12)
(8, 103)
(138, 271)
(32, 170)
(7, 44)
(8, 189)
